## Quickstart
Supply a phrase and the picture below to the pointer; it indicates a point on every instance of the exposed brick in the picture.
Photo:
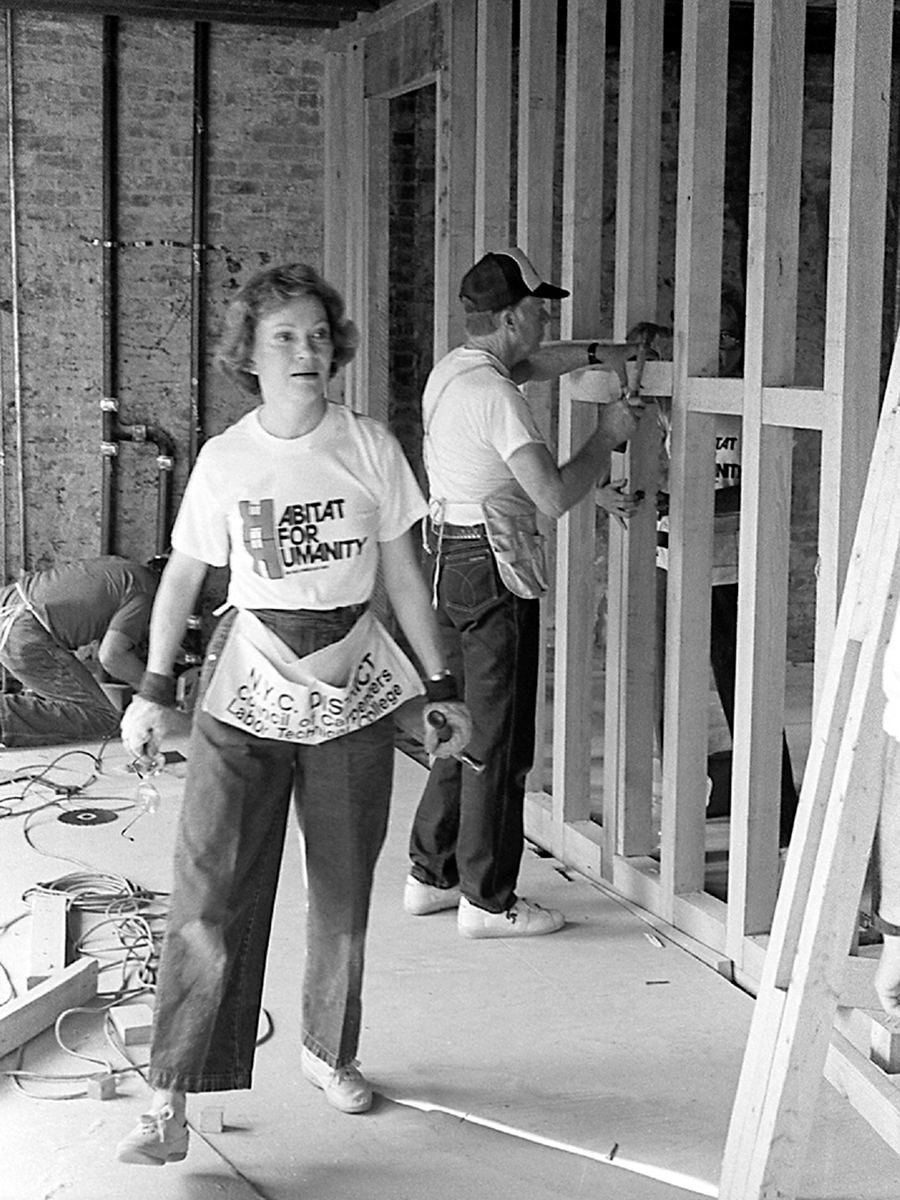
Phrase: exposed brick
(59, 115)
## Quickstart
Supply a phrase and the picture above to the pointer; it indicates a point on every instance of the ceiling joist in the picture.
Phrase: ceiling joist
(317, 13)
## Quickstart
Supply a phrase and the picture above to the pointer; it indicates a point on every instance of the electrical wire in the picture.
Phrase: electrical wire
(92, 891)
(136, 916)
(131, 912)
(19, 1076)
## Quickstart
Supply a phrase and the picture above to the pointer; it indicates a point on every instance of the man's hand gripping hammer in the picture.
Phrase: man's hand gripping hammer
(645, 334)
(438, 722)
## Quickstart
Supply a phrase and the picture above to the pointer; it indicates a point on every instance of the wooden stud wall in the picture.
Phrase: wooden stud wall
(585, 100)
(536, 145)
(698, 263)
(466, 48)
(774, 236)
(493, 116)
(862, 82)
(630, 685)
(455, 170)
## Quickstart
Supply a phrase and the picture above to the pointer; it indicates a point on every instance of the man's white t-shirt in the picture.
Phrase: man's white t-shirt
(298, 520)
(474, 418)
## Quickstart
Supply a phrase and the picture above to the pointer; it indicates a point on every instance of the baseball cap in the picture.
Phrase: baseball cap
(502, 279)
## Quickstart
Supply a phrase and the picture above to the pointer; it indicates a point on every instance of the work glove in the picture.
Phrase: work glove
(144, 725)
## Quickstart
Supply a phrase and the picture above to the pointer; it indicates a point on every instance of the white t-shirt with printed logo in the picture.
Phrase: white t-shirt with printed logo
(298, 520)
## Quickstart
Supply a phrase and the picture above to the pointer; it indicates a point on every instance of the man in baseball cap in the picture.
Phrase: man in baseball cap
(489, 471)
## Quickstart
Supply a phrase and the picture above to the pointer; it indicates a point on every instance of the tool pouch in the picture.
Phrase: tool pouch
(510, 522)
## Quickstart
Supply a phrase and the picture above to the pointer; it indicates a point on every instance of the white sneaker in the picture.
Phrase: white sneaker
(345, 1088)
(420, 899)
(159, 1138)
(522, 920)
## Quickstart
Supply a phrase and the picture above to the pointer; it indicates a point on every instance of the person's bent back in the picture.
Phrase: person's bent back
(44, 619)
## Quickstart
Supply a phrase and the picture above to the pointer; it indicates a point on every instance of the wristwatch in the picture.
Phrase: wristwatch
(441, 686)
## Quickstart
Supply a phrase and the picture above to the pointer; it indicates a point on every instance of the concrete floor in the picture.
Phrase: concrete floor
(503, 1069)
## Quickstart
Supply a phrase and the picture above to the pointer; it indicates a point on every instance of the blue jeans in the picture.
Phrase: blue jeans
(62, 701)
(468, 828)
(227, 859)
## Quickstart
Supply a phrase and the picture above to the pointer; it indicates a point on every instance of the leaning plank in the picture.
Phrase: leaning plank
(25, 1018)
(805, 967)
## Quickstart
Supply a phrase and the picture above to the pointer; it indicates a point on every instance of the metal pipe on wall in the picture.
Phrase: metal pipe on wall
(112, 432)
(165, 464)
(110, 249)
(198, 236)
(14, 294)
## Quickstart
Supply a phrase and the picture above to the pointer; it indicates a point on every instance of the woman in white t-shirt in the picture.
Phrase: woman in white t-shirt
(302, 499)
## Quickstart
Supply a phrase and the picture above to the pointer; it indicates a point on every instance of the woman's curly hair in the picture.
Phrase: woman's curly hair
(266, 291)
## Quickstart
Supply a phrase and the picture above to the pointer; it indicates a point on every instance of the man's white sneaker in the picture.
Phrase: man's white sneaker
(522, 920)
(420, 899)
(345, 1087)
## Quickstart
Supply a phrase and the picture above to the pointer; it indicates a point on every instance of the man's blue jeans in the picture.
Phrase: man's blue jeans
(62, 701)
(227, 859)
(468, 828)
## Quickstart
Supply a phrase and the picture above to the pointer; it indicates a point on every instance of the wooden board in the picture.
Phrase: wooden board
(493, 125)
(631, 607)
(29, 1015)
(49, 935)
(698, 269)
(534, 234)
(576, 592)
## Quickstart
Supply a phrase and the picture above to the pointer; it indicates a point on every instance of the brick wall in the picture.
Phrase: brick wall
(264, 205)
(58, 197)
